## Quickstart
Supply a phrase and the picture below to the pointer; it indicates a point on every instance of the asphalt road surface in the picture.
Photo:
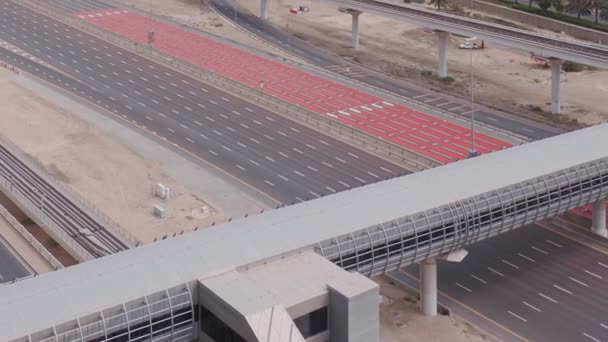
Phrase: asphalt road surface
(326, 60)
(10, 267)
(538, 285)
(284, 160)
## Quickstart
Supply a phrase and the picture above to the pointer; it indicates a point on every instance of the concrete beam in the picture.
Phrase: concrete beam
(428, 287)
(264, 9)
(442, 40)
(556, 66)
(599, 218)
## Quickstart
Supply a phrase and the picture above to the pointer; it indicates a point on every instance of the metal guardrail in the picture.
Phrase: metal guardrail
(363, 140)
(78, 200)
(50, 258)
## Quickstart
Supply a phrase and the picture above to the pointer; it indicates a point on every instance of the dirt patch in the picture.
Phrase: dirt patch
(401, 320)
(113, 178)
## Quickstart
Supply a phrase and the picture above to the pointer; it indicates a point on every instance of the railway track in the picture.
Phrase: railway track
(86, 230)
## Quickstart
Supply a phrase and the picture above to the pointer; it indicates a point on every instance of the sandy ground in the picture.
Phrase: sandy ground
(401, 320)
(116, 180)
(504, 77)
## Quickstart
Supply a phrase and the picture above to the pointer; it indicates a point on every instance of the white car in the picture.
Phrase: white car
(468, 45)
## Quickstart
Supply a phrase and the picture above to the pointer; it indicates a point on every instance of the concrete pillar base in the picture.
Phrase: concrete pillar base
(264, 9)
(598, 226)
(428, 287)
(355, 28)
(556, 66)
(442, 39)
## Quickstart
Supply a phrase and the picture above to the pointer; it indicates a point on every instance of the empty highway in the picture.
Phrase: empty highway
(284, 160)
(542, 287)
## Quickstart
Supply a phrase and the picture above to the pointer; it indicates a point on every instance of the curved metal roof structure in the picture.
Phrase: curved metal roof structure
(370, 229)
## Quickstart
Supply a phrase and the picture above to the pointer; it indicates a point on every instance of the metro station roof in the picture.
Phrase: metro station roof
(57, 297)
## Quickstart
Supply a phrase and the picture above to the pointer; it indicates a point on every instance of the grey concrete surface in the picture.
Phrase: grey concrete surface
(10, 266)
(284, 160)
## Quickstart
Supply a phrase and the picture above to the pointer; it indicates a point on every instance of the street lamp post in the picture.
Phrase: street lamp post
(473, 152)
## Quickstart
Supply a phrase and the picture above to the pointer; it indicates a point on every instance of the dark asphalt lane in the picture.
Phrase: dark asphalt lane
(10, 267)
(287, 161)
(541, 285)
(324, 59)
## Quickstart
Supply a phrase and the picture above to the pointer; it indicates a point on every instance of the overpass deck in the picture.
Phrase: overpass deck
(575, 163)
(542, 45)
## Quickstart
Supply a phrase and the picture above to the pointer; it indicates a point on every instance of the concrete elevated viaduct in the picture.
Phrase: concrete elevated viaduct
(236, 281)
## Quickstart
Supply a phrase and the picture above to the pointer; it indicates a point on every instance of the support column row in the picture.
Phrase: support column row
(442, 40)
(598, 225)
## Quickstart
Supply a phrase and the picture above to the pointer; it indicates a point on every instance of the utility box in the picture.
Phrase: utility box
(162, 191)
(159, 211)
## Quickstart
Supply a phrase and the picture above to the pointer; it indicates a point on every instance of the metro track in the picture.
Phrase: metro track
(57, 207)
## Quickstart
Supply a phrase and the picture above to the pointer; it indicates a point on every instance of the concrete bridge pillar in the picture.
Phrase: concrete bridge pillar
(598, 225)
(264, 9)
(355, 28)
(442, 39)
(428, 287)
(556, 66)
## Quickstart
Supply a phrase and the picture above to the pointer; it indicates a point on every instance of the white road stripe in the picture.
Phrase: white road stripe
(554, 243)
(324, 142)
(327, 164)
(240, 167)
(591, 337)
(198, 123)
(547, 298)
(385, 169)
(315, 194)
(561, 288)
(517, 316)
(604, 326)
(269, 118)
(479, 279)
(203, 136)
(526, 257)
(603, 265)
(284, 178)
(464, 287)
(353, 155)
(345, 184)
(532, 307)
(254, 162)
(241, 144)
(299, 173)
(190, 140)
(248, 109)
(578, 281)
(539, 250)
(373, 174)
(312, 168)
(360, 180)
(284, 155)
(170, 130)
(213, 152)
(593, 274)
(510, 264)
(340, 160)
